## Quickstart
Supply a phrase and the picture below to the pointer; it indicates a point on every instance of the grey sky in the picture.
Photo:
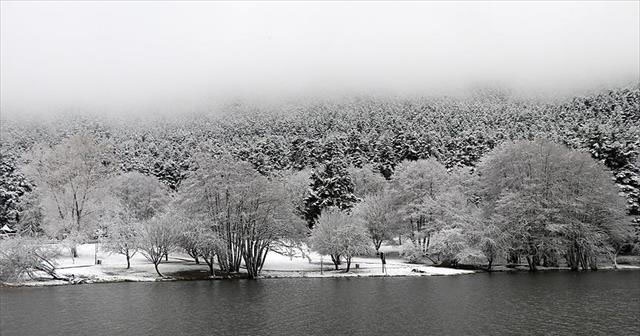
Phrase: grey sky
(112, 55)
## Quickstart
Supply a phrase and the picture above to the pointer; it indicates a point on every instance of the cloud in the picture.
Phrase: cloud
(131, 55)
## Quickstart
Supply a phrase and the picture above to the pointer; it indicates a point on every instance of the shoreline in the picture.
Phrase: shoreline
(180, 267)
(202, 275)
(296, 274)
(43, 282)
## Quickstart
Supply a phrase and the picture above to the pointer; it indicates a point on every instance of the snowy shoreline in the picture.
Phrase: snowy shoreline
(328, 274)
(266, 275)
(182, 268)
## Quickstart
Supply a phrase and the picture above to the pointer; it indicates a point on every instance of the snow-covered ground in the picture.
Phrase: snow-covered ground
(113, 267)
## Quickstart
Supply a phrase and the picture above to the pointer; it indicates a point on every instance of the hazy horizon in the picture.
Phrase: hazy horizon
(128, 56)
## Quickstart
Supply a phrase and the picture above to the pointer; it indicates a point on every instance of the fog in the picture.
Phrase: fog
(135, 56)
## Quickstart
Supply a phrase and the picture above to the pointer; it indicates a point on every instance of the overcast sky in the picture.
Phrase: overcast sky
(136, 54)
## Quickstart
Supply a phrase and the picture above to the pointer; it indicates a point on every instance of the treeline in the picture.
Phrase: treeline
(381, 132)
(340, 155)
(527, 200)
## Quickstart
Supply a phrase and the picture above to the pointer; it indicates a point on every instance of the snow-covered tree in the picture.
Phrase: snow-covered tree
(379, 214)
(367, 181)
(159, 236)
(216, 193)
(423, 193)
(297, 184)
(550, 198)
(448, 245)
(140, 197)
(132, 199)
(208, 246)
(123, 237)
(26, 257)
(248, 211)
(490, 240)
(331, 186)
(70, 177)
(340, 235)
(13, 186)
(31, 216)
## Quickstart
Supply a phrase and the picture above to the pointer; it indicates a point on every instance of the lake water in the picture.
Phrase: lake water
(596, 303)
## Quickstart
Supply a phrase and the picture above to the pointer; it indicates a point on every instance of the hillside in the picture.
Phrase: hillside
(381, 132)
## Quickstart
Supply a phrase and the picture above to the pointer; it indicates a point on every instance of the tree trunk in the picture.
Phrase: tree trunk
(156, 266)
(348, 264)
(166, 257)
(336, 260)
(532, 264)
(196, 259)
(222, 262)
(583, 261)
(128, 261)
(513, 257)
(536, 260)
(572, 257)
(264, 257)
(74, 252)
(211, 267)
(593, 262)
(377, 243)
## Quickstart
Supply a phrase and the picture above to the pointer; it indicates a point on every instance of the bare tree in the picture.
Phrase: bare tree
(490, 240)
(133, 198)
(123, 237)
(189, 238)
(209, 245)
(423, 191)
(620, 236)
(248, 212)
(158, 237)
(379, 214)
(27, 256)
(69, 175)
(140, 196)
(268, 219)
(340, 235)
(216, 192)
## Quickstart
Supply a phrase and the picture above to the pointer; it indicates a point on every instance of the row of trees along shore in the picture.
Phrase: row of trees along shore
(453, 180)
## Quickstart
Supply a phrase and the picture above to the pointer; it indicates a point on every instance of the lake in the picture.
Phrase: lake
(594, 303)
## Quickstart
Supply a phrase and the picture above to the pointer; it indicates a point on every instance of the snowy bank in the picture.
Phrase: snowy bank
(113, 268)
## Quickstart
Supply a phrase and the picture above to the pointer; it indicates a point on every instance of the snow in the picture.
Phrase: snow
(282, 266)
(113, 267)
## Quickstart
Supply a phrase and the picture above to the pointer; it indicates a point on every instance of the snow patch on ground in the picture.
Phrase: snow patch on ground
(282, 266)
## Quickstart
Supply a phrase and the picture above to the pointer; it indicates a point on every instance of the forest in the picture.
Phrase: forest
(481, 179)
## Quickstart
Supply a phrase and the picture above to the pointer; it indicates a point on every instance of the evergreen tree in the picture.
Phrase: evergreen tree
(331, 185)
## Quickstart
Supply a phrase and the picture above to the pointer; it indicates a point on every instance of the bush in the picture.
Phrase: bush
(448, 246)
(411, 252)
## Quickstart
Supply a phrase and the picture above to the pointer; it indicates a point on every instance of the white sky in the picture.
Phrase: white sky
(135, 54)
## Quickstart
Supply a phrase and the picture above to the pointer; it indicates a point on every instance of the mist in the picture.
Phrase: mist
(140, 56)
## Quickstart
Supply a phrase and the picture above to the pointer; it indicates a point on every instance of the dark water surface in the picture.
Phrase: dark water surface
(598, 303)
